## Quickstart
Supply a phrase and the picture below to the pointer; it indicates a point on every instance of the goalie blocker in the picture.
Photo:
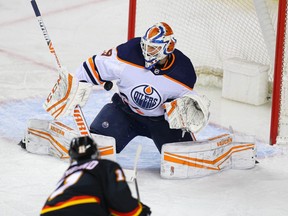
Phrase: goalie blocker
(53, 138)
(203, 158)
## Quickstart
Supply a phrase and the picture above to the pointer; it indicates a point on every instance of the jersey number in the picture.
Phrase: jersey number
(67, 182)
(119, 175)
(107, 53)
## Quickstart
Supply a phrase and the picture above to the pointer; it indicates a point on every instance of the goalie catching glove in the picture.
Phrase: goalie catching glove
(189, 113)
(66, 94)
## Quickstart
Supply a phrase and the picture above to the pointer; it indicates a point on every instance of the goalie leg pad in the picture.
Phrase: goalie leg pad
(48, 137)
(35, 143)
(106, 146)
(202, 158)
(53, 138)
(244, 156)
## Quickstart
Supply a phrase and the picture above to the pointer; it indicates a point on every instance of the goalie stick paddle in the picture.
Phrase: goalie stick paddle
(78, 114)
(139, 149)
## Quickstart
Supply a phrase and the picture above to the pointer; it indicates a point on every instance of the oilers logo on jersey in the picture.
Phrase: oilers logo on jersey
(146, 97)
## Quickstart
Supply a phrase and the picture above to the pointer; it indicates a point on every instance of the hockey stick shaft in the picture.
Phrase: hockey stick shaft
(138, 152)
(137, 189)
(78, 114)
(131, 175)
(45, 32)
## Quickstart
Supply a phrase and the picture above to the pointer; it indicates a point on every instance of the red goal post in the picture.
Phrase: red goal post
(279, 113)
(219, 29)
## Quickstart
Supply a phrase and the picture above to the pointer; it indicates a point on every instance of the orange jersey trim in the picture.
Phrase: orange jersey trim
(127, 62)
(170, 65)
(71, 202)
(94, 71)
(176, 81)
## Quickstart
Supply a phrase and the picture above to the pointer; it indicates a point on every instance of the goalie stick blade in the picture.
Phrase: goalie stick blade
(22, 144)
(129, 173)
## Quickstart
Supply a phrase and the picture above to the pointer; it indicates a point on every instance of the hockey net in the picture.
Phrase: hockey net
(212, 31)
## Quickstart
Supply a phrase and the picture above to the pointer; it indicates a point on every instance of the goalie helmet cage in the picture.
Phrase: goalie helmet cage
(223, 29)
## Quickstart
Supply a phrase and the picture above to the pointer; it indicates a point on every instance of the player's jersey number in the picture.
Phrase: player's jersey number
(119, 175)
(66, 183)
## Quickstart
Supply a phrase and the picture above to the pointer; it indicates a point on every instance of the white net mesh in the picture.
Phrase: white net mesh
(211, 31)
(282, 137)
(283, 120)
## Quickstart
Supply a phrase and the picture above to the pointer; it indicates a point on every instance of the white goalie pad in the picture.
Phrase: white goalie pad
(66, 94)
(202, 158)
(48, 137)
(53, 138)
(189, 113)
(106, 146)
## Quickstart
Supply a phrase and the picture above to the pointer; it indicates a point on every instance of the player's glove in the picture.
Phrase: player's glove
(189, 113)
(145, 210)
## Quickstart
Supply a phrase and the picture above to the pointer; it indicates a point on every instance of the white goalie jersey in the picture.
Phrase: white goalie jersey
(144, 91)
(149, 93)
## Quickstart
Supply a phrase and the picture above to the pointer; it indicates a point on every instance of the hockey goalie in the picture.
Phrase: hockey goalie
(155, 99)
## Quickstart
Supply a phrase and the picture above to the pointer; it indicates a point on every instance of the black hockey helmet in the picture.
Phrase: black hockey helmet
(82, 148)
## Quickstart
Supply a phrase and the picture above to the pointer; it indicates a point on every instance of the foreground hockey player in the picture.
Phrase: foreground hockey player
(150, 73)
(92, 186)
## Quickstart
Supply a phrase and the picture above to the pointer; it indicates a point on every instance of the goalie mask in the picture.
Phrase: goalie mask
(82, 148)
(157, 43)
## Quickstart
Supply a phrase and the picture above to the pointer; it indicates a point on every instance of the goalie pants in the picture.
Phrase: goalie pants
(117, 120)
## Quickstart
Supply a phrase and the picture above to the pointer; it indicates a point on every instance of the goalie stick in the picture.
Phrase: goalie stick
(131, 175)
(78, 114)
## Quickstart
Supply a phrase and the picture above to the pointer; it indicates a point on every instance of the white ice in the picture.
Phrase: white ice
(78, 30)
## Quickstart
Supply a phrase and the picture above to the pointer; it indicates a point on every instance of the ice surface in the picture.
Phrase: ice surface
(78, 30)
